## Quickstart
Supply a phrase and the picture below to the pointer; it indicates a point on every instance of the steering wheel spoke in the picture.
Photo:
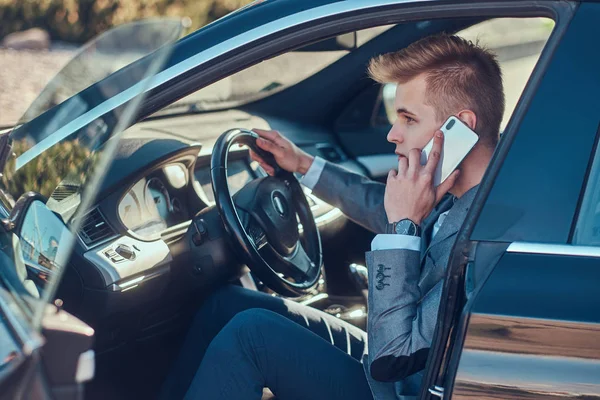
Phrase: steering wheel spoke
(256, 234)
(301, 262)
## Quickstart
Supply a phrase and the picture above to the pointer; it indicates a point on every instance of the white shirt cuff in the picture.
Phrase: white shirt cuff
(393, 241)
(313, 174)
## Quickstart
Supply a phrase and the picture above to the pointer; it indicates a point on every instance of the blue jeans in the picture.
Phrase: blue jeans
(242, 341)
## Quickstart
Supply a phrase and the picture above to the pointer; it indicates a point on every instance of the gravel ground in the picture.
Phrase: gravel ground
(24, 74)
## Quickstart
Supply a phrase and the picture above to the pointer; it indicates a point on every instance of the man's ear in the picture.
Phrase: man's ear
(469, 118)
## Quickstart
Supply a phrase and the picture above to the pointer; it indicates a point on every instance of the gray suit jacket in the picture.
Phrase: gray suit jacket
(405, 286)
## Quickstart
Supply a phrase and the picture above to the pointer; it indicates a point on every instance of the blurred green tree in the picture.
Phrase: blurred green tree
(65, 160)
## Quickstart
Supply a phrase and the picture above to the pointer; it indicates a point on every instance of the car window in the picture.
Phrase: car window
(518, 43)
(273, 75)
(587, 229)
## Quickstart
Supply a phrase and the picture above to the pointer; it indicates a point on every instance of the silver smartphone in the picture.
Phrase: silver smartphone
(459, 139)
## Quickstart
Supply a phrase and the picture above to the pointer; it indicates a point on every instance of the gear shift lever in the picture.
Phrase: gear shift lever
(360, 277)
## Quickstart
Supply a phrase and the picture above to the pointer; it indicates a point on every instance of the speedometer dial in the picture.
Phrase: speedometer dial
(157, 199)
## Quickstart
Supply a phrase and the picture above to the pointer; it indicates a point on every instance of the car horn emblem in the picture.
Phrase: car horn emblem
(279, 204)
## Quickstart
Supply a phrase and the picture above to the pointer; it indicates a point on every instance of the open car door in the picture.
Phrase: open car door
(63, 144)
(520, 316)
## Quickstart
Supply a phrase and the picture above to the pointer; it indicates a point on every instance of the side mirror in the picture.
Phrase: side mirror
(45, 240)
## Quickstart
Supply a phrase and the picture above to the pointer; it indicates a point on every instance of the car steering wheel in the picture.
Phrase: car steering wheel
(262, 221)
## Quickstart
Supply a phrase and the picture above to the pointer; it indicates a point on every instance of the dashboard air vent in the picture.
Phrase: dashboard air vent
(95, 228)
(64, 191)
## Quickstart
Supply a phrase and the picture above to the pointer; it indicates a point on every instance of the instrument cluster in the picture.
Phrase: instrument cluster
(153, 203)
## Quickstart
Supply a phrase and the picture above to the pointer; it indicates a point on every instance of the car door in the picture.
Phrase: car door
(41, 359)
(46, 353)
(521, 317)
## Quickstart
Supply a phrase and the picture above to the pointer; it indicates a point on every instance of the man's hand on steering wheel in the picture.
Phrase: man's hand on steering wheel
(287, 155)
(263, 218)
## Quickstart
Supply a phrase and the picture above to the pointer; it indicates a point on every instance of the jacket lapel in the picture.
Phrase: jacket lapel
(453, 221)
(427, 226)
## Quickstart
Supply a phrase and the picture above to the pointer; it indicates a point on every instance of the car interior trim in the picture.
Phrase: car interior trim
(174, 232)
(379, 164)
(114, 268)
(247, 281)
(328, 217)
(132, 283)
(554, 249)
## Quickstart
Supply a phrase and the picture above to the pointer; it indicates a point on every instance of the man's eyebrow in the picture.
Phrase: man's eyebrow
(403, 110)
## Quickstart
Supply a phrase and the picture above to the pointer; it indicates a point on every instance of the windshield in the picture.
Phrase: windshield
(274, 74)
(65, 141)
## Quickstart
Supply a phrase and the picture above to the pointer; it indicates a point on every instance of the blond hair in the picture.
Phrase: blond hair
(459, 75)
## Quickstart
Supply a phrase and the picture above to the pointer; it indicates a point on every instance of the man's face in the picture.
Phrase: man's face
(416, 121)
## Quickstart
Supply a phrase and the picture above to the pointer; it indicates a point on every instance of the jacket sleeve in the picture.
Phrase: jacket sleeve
(401, 321)
(358, 197)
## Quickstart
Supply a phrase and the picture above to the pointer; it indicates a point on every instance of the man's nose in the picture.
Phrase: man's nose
(395, 135)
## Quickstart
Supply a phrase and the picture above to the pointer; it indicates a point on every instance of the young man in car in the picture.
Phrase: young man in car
(245, 340)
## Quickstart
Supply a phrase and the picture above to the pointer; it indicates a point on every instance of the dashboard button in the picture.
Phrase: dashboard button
(125, 251)
(113, 256)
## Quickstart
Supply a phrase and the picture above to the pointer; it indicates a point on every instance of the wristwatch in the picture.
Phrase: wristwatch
(404, 227)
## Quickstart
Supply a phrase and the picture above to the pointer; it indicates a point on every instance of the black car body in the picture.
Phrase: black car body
(520, 316)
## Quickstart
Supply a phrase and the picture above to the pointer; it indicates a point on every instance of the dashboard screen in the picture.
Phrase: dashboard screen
(238, 174)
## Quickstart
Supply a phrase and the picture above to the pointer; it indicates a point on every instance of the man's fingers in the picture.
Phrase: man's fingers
(268, 134)
(269, 146)
(256, 157)
(273, 136)
(402, 165)
(267, 167)
(392, 174)
(445, 186)
(435, 153)
(414, 161)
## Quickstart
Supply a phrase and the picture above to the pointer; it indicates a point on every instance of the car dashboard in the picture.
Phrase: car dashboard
(134, 244)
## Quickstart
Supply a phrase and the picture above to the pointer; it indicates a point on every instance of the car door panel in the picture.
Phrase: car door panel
(552, 147)
(526, 319)
(541, 341)
(51, 364)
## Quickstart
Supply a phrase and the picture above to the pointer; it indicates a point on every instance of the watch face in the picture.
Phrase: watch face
(405, 227)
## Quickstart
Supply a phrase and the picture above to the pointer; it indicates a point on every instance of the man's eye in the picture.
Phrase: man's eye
(409, 119)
